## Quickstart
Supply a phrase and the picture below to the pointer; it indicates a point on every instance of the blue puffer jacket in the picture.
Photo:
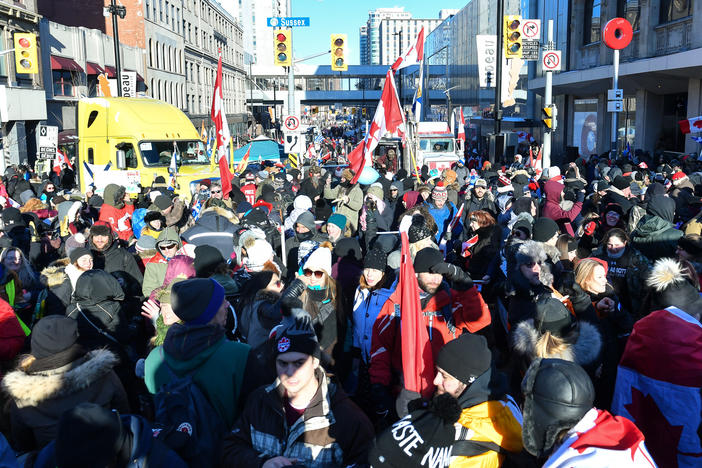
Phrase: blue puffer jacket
(366, 307)
(146, 450)
(442, 216)
(216, 228)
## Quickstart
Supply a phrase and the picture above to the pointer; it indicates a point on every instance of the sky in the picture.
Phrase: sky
(345, 17)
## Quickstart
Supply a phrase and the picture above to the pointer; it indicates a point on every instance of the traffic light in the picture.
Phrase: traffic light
(338, 52)
(550, 117)
(282, 48)
(513, 36)
(26, 53)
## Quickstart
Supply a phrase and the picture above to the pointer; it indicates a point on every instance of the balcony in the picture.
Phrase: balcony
(675, 36)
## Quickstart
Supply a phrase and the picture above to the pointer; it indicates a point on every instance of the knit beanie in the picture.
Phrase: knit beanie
(196, 301)
(206, 259)
(553, 316)
(439, 191)
(620, 182)
(376, 190)
(163, 202)
(427, 258)
(418, 230)
(88, 436)
(53, 334)
(544, 229)
(466, 358)
(504, 185)
(79, 252)
(320, 260)
(307, 219)
(375, 259)
(145, 243)
(692, 244)
(258, 254)
(302, 202)
(338, 220)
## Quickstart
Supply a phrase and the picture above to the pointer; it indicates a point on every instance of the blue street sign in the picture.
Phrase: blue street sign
(288, 22)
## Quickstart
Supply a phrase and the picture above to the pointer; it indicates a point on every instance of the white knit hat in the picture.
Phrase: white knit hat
(302, 202)
(258, 254)
(320, 260)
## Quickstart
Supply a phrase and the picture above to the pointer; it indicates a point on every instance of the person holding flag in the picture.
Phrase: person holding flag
(443, 304)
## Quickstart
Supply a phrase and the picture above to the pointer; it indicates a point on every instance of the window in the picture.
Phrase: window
(148, 9)
(631, 10)
(592, 21)
(672, 10)
(63, 83)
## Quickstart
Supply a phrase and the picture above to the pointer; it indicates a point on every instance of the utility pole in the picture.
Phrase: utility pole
(291, 80)
(116, 11)
(498, 66)
(548, 99)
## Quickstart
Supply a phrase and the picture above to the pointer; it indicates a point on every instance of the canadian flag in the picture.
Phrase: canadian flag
(462, 128)
(693, 125)
(524, 136)
(600, 439)
(413, 56)
(388, 118)
(59, 161)
(222, 131)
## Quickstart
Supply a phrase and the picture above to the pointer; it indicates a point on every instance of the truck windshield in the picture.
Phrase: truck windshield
(436, 145)
(159, 153)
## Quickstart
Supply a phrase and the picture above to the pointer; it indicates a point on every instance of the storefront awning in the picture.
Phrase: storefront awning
(94, 69)
(63, 63)
(139, 78)
(111, 71)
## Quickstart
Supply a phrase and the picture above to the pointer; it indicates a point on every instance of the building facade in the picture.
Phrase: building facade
(22, 103)
(399, 34)
(363, 45)
(375, 17)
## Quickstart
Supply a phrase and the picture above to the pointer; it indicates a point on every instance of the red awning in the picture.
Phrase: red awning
(94, 68)
(111, 71)
(139, 78)
(63, 63)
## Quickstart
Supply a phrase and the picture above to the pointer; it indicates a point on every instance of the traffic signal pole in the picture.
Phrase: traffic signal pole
(291, 80)
(548, 100)
(498, 66)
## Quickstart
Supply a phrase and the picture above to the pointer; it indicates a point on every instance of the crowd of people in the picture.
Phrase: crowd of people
(266, 327)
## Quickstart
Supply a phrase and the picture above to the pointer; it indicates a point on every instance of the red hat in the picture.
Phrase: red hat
(601, 262)
(643, 165)
(680, 175)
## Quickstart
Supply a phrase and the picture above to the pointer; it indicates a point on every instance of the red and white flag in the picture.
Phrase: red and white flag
(600, 439)
(388, 118)
(693, 125)
(222, 131)
(413, 56)
(462, 127)
(659, 383)
(59, 161)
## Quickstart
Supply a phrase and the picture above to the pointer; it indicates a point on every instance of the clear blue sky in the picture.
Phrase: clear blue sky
(346, 16)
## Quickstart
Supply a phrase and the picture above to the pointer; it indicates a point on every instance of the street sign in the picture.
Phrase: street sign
(47, 140)
(287, 22)
(615, 106)
(530, 50)
(293, 142)
(615, 94)
(291, 122)
(531, 29)
(552, 60)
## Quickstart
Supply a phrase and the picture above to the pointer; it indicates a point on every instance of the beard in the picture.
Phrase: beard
(427, 288)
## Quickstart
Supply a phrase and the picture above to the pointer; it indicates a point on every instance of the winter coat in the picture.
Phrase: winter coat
(116, 213)
(627, 275)
(552, 209)
(218, 366)
(655, 237)
(155, 267)
(146, 450)
(485, 251)
(214, 227)
(349, 209)
(366, 307)
(332, 432)
(60, 279)
(259, 317)
(442, 217)
(447, 314)
(39, 398)
(12, 335)
(473, 203)
(308, 188)
(119, 262)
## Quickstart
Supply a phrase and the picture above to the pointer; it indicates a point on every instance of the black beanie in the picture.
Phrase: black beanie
(79, 252)
(196, 301)
(376, 259)
(163, 202)
(427, 258)
(88, 436)
(100, 230)
(418, 230)
(52, 335)
(466, 358)
(544, 229)
(206, 259)
(620, 182)
(553, 316)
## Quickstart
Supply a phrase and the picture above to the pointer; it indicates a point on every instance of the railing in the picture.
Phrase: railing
(675, 36)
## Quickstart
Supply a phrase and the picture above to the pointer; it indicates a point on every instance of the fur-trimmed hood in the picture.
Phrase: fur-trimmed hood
(54, 274)
(223, 212)
(585, 350)
(31, 389)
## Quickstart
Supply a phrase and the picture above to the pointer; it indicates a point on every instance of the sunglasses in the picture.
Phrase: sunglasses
(215, 191)
(167, 247)
(317, 274)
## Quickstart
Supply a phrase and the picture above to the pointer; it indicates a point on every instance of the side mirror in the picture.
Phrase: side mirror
(121, 160)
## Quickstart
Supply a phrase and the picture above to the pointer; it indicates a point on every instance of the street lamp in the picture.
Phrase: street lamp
(447, 92)
(117, 10)
(399, 72)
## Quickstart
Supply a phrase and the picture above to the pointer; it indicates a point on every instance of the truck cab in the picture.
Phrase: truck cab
(436, 146)
(131, 141)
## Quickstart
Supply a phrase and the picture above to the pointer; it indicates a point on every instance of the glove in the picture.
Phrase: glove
(403, 400)
(448, 236)
(460, 279)
(590, 228)
(382, 400)
(294, 290)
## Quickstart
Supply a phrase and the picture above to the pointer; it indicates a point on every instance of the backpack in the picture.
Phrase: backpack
(188, 422)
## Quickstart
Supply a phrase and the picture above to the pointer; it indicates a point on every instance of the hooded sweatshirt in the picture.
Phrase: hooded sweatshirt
(553, 210)
(115, 212)
(156, 266)
(656, 236)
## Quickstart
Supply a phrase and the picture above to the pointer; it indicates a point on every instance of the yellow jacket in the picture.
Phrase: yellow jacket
(496, 421)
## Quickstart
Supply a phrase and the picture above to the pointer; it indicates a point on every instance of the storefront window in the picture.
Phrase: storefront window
(63, 83)
(585, 126)
(592, 21)
(627, 125)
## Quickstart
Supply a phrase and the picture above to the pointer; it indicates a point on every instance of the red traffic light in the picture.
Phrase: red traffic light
(281, 37)
(24, 42)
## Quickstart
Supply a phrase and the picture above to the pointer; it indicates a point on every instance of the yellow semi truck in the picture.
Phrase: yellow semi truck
(130, 141)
